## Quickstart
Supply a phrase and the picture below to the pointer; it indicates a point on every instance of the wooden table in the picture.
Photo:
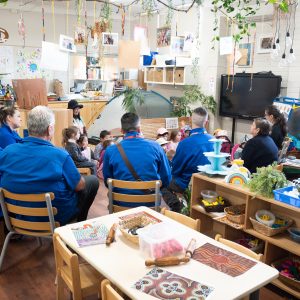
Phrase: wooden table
(123, 264)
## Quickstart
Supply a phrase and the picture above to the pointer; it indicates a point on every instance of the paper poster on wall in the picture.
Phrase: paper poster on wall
(140, 34)
(163, 36)
(131, 61)
(66, 43)
(226, 45)
(177, 45)
(53, 58)
(6, 60)
(188, 41)
(172, 123)
(28, 64)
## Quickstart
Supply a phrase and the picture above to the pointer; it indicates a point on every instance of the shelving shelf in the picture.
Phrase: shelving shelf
(169, 75)
(276, 247)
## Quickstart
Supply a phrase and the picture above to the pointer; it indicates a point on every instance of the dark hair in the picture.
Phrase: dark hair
(81, 138)
(199, 116)
(162, 135)
(68, 133)
(130, 122)
(278, 117)
(104, 133)
(106, 144)
(5, 112)
(263, 125)
(173, 134)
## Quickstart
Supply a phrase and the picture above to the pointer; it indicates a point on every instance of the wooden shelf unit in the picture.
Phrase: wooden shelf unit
(169, 74)
(276, 247)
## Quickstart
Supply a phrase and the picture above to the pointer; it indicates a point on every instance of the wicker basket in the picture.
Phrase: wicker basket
(269, 231)
(287, 280)
(238, 218)
(137, 221)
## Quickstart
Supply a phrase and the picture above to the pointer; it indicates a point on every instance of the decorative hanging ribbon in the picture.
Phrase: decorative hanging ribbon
(94, 12)
(21, 28)
(78, 12)
(43, 22)
(67, 21)
(123, 19)
(53, 19)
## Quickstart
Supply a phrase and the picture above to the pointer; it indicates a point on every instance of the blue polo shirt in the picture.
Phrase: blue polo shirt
(36, 166)
(8, 136)
(189, 155)
(147, 157)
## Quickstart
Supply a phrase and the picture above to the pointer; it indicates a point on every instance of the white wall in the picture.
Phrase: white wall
(211, 65)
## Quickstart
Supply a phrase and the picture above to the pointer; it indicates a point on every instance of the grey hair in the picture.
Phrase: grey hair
(199, 117)
(39, 119)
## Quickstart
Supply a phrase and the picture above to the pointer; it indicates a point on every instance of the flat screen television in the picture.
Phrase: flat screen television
(244, 102)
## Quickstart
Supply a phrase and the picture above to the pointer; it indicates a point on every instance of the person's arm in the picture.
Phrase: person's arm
(164, 169)
(71, 175)
(76, 154)
(107, 168)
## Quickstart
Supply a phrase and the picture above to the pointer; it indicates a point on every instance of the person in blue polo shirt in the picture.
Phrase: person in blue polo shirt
(37, 166)
(10, 120)
(147, 158)
(189, 155)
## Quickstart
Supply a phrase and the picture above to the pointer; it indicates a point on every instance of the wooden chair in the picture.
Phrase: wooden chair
(153, 198)
(81, 279)
(254, 295)
(20, 226)
(108, 292)
(238, 247)
(185, 220)
(84, 171)
(2, 235)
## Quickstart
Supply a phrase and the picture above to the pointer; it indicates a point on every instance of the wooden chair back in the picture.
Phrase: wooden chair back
(135, 200)
(108, 292)
(84, 171)
(15, 209)
(185, 220)
(81, 279)
(239, 247)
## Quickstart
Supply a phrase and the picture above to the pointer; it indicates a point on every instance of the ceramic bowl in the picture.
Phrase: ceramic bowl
(295, 234)
(270, 215)
(209, 195)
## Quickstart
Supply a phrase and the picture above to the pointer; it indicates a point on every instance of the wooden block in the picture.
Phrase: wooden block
(179, 75)
(30, 92)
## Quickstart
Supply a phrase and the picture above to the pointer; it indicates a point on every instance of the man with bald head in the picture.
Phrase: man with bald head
(189, 155)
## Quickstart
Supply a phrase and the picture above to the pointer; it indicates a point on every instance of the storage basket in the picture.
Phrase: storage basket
(269, 231)
(279, 195)
(287, 280)
(134, 222)
(236, 218)
(214, 208)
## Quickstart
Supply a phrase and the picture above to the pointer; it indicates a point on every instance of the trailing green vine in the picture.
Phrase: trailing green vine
(132, 98)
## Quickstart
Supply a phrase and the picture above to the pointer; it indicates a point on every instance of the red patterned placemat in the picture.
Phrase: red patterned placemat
(138, 214)
(222, 260)
(164, 285)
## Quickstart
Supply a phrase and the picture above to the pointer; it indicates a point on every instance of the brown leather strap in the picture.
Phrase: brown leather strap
(127, 162)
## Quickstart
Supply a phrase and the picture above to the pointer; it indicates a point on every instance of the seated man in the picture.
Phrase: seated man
(36, 166)
(189, 155)
(146, 157)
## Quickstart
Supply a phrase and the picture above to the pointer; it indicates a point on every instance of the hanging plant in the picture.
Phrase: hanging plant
(148, 6)
(170, 13)
(105, 16)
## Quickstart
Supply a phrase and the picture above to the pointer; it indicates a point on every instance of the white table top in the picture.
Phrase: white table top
(123, 264)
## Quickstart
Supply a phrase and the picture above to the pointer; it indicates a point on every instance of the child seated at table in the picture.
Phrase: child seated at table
(70, 138)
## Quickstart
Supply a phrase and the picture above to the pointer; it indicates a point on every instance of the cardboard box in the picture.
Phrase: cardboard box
(158, 75)
(169, 75)
(30, 92)
(179, 75)
(150, 74)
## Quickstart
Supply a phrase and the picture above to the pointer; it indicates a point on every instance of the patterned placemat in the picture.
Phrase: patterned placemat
(222, 260)
(164, 285)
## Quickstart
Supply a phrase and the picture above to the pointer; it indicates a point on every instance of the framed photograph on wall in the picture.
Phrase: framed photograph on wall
(66, 43)
(110, 39)
(177, 43)
(80, 35)
(264, 43)
(245, 50)
(163, 36)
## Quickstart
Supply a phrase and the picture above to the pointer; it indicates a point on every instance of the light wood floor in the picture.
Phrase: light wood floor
(29, 270)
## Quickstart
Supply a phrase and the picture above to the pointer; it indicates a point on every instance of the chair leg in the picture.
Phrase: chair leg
(5, 248)
(40, 242)
(59, 288)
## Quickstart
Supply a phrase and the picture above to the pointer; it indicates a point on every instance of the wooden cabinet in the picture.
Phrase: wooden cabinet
(176, 75)
(275, 247)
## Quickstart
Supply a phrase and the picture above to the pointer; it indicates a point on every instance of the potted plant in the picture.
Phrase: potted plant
(132, 99)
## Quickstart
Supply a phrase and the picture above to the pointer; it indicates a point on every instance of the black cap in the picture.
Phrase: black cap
(72, 104)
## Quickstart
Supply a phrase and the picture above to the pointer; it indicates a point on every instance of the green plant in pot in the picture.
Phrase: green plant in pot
(132, 99)
(267, 179)
(193, 94)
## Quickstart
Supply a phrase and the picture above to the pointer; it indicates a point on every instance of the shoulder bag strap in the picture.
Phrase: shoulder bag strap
(127, 162)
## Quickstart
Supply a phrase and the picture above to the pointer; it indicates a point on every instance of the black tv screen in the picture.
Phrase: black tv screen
(244, 101)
